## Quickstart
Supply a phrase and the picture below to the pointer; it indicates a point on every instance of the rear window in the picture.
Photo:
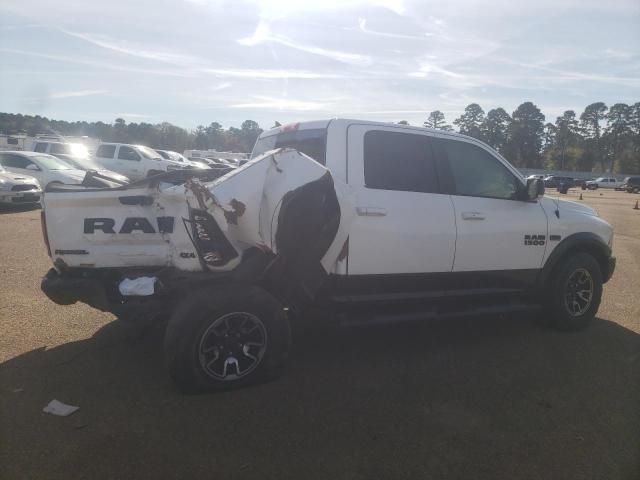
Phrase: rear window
(311, 142)
(399, 161)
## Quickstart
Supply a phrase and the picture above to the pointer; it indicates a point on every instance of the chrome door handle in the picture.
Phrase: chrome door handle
(371, 211)
(472, 216)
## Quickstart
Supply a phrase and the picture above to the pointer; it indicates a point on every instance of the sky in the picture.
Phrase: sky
(193, 62)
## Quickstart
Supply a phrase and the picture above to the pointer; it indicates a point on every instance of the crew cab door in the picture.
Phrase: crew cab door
(497, 234)
(130, 163)
(403, 224)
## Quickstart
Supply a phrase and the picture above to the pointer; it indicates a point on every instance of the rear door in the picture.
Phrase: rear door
(404, 226)
(500, 237)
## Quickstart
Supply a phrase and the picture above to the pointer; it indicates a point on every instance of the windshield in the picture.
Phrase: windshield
(147, 152)
(49, 162)
(311, 142)
(600, 179)
(176, 157)
(82, 163)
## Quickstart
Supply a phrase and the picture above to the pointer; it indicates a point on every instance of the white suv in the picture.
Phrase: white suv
(133, 161)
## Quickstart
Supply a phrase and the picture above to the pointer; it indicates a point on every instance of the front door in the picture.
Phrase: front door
(129, 163)
(497, 233)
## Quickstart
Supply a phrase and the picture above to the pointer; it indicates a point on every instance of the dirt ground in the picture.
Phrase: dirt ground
(495, 398)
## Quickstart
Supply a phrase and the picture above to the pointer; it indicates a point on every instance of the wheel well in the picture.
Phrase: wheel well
(592, 249)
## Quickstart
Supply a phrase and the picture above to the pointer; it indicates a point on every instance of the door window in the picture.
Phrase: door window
(399, 161)
(40, 147)
(15, 161)
(469, 170)
(128, 153)
(106, 151)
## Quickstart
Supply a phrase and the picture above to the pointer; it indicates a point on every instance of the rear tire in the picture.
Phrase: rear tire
(226, 339)
(575, 293)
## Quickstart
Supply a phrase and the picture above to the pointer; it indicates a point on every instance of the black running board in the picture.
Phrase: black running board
(381, 318)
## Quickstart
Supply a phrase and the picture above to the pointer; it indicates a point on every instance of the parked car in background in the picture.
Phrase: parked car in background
(581, 182)
(47, 169)
(177, 157)
(61, 148)
(556, 181)
(90, 165)
(631, 185)
(16, 188)
(604, 182)
(134, 161)
(77, 156)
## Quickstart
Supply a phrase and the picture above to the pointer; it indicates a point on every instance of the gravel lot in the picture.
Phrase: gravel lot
(469, 398)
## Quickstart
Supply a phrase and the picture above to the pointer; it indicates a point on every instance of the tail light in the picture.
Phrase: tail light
(45, 235)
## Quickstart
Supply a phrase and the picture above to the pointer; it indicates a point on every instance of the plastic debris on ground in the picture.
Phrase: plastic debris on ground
(60, 409)
(137, 287)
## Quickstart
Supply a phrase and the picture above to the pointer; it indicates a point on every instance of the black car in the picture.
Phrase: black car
(561, 183)
(631, 185)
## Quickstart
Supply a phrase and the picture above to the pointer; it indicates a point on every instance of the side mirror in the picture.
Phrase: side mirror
(535, 188)
(33, 166)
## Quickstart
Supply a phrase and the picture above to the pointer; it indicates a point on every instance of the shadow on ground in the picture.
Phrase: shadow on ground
(466, 398)
(6, 208)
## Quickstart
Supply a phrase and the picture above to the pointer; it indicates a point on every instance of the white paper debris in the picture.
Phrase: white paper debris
(139, 287)
(60, 409)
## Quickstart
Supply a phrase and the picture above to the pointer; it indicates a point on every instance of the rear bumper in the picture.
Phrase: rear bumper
(65, 290)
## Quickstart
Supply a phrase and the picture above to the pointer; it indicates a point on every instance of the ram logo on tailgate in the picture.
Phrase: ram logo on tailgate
(130, 225)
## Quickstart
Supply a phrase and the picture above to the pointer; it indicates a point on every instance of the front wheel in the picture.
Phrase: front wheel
(226, 339)
(575, 293)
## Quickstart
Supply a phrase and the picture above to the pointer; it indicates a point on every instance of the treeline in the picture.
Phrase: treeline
(601, 138)
(163, 135)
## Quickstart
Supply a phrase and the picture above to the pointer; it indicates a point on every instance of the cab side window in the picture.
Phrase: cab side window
(106, 151)
(472, 171)
(128, 153)
(40, 147)
(399, 161)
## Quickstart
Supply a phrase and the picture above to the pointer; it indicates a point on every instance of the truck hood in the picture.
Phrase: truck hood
(550, 204)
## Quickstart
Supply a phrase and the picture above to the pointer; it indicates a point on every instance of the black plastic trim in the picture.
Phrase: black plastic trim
(579, 242)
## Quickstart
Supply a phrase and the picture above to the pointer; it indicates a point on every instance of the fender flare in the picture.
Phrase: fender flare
(587, 242)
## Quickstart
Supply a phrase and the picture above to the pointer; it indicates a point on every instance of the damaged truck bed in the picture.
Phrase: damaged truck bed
(280, 221)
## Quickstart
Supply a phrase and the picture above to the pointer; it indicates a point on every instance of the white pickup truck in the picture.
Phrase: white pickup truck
(372, 221)
(604, 182)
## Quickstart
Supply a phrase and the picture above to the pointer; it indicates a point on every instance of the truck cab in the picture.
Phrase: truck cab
(371, 221)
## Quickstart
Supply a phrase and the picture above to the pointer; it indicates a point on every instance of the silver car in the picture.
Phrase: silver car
(16, 188)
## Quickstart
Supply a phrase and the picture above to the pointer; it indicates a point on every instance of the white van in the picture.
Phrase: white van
(133, 161)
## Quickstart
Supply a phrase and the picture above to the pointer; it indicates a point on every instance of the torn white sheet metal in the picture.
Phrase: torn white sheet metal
(97, 229)
(137, 287)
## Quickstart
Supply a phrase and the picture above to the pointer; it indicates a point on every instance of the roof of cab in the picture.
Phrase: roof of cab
(312, 124)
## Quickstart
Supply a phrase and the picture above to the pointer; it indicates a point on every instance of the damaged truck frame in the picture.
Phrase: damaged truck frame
(368, 221)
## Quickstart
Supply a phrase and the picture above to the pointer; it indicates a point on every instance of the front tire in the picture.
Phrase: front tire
(575, 293)
(226, 339)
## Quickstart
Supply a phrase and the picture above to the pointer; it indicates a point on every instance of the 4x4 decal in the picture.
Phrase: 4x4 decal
(534, 239)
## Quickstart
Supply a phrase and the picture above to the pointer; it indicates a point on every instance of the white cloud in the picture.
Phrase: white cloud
(268, 74)
(263, 34)
(77, 93)
(282, 104)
